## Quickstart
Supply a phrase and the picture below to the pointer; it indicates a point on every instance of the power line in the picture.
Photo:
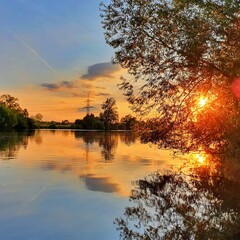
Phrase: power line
(88, 107)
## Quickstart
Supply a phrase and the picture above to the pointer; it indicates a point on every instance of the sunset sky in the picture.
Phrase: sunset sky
(53, 54)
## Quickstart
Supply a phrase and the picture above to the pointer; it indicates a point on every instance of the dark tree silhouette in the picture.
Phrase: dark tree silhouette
(185, 58)
(109, 114)
(12, 115)
(10, 102)
(128, 122)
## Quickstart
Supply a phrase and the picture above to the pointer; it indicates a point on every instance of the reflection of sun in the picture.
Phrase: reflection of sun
(202, 101)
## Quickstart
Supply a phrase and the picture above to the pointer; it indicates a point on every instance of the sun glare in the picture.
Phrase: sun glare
(202, 101)
(200, 158)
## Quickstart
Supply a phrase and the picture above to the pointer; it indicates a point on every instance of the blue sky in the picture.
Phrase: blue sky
(55, 42)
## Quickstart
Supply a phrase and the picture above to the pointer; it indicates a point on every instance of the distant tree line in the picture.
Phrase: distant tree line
(12, 116)
(107, 120)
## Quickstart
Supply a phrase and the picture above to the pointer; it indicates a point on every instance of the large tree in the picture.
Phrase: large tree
(10, 102)
(8, 118)
(109, 114)
(185, 58)
(128, 122)
(12, 115)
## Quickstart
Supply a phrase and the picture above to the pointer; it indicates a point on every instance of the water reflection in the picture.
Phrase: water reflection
(108, 141)
(99, 184)
(86, 177)
(69, 184)
(199, 202)
(103, 162)
(10, 143)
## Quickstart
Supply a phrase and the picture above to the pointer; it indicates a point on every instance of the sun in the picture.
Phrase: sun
(202, 101)
(200, 158)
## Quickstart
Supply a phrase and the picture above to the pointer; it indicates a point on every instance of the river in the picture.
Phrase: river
(63, 184)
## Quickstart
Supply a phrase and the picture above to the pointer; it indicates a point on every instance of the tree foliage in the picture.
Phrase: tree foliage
(129, 122)
(109, 115)
(38, 117)
(179, 51)
(8, 119)
(10, 102)
(12, 115)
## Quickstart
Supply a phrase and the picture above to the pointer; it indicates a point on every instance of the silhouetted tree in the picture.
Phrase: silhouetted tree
(78, 124)
(12, 115)
(128, 122)
(109, 115)
(179, 52)
(10, 102)
(8, 118)
(38, 117)
(89, 122)
(65, 122)
(25, 113)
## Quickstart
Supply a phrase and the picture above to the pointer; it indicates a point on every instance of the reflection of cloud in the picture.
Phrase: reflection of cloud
(99, 184)
(55, 86)
(101, 88)
(101, 70)
(145, 162)
(50, 166)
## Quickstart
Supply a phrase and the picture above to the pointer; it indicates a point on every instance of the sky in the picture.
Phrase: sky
(53, 56)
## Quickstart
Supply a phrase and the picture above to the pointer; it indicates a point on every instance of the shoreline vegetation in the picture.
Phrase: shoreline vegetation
(13, 117)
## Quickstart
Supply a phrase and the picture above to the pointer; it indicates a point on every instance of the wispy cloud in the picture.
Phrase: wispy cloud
(56, 86)
(100, 74)
(83, 109)
(100, 70)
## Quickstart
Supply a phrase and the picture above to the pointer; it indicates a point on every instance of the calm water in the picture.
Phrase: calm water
(70, 184)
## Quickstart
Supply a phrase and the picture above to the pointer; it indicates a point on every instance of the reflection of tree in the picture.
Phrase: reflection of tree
(175, 206)
(220, 175)
(109, 143)
(37, 137)
(10, 143)
(88, 137)
(95, 136)
(128, 138)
